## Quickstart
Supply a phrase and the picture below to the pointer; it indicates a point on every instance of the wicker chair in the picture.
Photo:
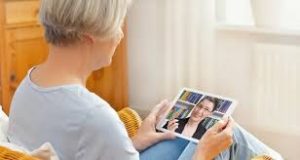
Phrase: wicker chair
(131, 120)
(8, 154)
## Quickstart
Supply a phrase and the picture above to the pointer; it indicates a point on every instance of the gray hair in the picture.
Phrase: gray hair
(65, 21)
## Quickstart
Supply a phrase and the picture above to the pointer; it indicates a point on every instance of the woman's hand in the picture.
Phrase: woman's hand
(215, 140)
(147, 135)
(172, 125)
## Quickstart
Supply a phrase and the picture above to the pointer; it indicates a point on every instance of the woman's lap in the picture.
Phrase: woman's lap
(165, 150)
(245, 146)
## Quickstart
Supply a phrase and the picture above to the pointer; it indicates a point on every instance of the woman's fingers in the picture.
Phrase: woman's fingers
(147, 135)
(173, 125)
(173, 121)
(159, 111)
(227, 133)
(167, 106)
(215, 140)
(219, 126)
(159, 107)
(164, 136)
(230, 125)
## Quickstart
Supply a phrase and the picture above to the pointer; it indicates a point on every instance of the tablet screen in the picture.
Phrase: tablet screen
(193, 112)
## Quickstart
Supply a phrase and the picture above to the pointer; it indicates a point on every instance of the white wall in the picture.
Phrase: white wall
(155, 35)
(144, 39)
(227, 62)
(236, 69)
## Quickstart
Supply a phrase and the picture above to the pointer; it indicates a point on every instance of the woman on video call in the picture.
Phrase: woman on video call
(192, 126)
(52, 103)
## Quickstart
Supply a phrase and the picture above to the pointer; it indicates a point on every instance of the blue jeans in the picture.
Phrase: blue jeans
(245, 146)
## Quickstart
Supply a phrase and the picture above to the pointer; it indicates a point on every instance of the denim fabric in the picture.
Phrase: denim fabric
(245, 146)
(165, 150)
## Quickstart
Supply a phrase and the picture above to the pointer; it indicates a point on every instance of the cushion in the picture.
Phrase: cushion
(12, 151)
(45, 152)
(3, 126)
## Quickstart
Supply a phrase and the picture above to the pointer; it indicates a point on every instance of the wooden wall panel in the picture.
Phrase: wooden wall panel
(3, 80)
(111, 83)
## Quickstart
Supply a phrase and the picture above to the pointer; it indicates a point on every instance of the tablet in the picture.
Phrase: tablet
(193, 112)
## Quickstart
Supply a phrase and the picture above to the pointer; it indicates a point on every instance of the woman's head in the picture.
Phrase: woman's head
(95, 22)
(204, 108)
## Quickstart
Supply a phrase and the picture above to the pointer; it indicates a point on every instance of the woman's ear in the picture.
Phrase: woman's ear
(89, 39)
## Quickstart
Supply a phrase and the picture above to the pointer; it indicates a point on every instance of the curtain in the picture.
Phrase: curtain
(175, 41)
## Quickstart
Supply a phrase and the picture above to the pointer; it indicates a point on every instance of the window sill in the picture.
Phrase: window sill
(257, 30)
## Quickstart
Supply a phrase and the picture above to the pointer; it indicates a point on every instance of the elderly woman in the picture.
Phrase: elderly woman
(53, 105)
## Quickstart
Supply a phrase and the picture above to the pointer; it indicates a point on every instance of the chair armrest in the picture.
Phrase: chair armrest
(8, 154)
(264, 157)
(131, 120)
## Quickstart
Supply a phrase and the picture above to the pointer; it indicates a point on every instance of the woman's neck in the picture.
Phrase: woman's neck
(193, 123)
(63, 66)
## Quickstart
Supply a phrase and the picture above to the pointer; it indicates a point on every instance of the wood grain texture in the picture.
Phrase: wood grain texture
(111, 83)
(4, 84)
(21, 11)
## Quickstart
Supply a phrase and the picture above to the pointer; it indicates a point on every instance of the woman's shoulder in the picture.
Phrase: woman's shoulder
(98, 111)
